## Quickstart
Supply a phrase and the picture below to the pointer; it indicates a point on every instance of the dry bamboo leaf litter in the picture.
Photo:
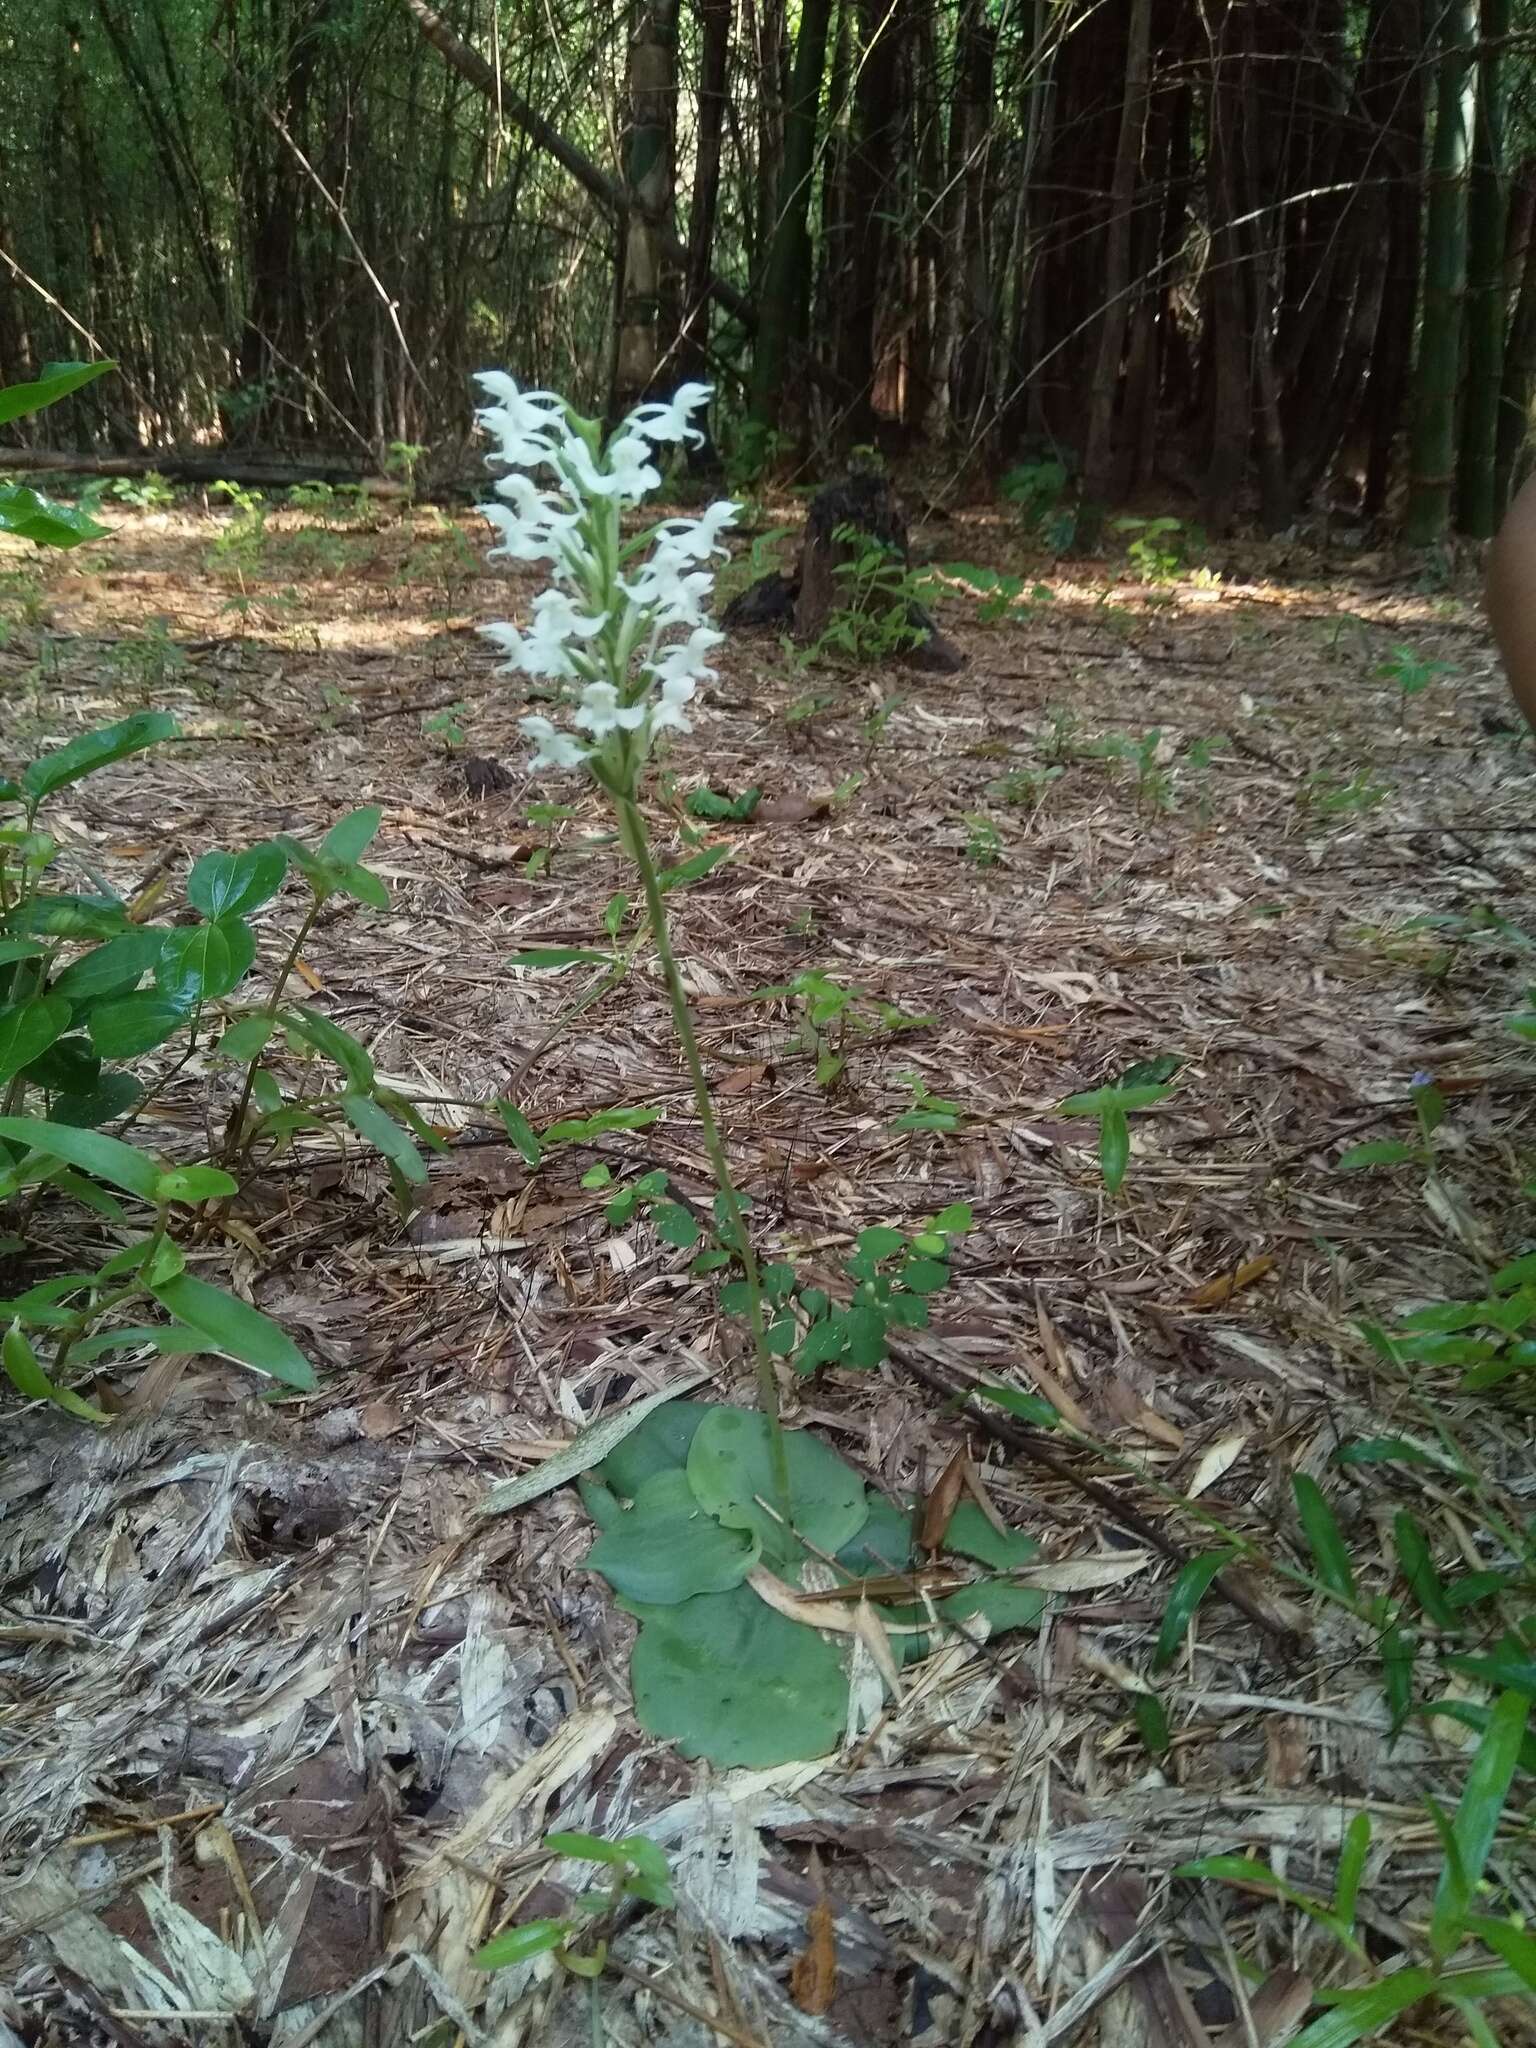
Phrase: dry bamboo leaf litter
(221, 1593)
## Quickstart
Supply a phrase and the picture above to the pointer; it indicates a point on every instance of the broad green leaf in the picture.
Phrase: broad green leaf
(1477, 1818)
(25, 1373)
(237, 1330)
(57, 381)
(353, 879)
(1002, 1604)
(72, 917)
(201, 962)
(112, 1096)
(1189, 1589)
(586, 1450)
(248, 1039)
(971, 1534)
(1346, 1885)
(328, 1039)
(559, 956)
(1095, 1101)
(864, 1326)
(1030, 1408)
(113, 969)
(1519, 1272)
(659, 1444)
(880, 1241)
(726, 1677)
(21, 949)
(1151, 1718)
(1150, 1073)
(93, 1152)
(1114, 1148)
(520, 1131)
(44, 521)
(1418, 1567)
(1386, 1450)
(1512, 1944)
(665, 1548)
(319, 874)
(1378, 1152)
(884, 1544)
(350, 837)
(731, 1471)
(28, 1029)
(384, 1134)
(593, 1849)
(824, 1342)
(674, 1225)
(1329, 1551)
(924, 1276)
(1502, 1668)
(164, 1337)
(1360, 2014)
(196, 1184)
(93, 750)
(522, 1944)
(234, 884)
(574, 1129)
(134, 1024)
(694, 869)
(953, 1221)
(69, 1066)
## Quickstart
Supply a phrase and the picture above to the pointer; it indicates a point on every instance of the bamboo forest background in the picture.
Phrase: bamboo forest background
(1247, 250)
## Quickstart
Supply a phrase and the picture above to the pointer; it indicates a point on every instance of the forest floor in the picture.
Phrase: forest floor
(259, 1659)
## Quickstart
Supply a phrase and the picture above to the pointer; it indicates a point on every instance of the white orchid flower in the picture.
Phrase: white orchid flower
(527, 412)
(695, 540)
(626, 475)
(669, 422)
(552, 749)
(686, 658)
(594, 631)
(667, 712)
(601, 713)
(553, 612)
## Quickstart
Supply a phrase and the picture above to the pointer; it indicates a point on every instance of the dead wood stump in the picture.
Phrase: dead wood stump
(844, 519)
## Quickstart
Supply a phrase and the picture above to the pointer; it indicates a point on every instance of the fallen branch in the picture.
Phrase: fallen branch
(255, 471)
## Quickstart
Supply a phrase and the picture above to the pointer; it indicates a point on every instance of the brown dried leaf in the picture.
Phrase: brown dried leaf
(941, 1501)
(1215, 1292)
(813, 1981)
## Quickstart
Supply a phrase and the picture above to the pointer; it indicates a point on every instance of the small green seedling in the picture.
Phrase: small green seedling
(984, 844)
(739, 810)
(446, 725)
(1155, 553)
(579, 1939)
(928, 1112)
(1139, 1087)
(1429, 1112)
(1023, 788)
(835, 1016)
(1411, 673)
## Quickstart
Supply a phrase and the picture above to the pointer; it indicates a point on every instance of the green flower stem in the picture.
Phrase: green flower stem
(237, 1121)
(632, 827)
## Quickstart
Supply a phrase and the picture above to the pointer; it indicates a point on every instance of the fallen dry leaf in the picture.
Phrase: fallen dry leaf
(942, 1500)
(1216, 1459)
(813, 1981)
(1225, 1285)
